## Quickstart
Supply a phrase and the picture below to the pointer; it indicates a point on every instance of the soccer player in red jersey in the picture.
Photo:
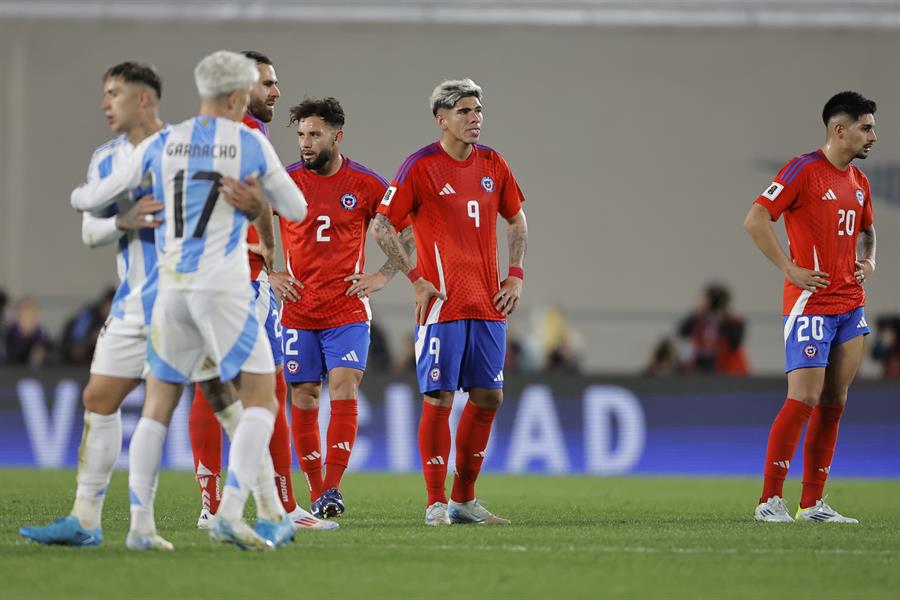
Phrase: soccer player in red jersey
(827, 205)
(205, 430)
(325, 322)
(453, 190)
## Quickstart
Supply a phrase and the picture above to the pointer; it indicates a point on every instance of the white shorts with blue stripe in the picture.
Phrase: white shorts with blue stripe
(196, 335)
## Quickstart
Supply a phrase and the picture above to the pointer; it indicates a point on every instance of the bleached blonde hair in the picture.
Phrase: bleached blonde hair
(451, 91)
(223, 72)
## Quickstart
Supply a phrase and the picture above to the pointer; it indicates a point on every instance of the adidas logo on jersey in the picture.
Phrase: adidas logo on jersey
(351, 357)
(784, 464)
(437, 460)
(342, 446)
(446, 190)
(829, 195)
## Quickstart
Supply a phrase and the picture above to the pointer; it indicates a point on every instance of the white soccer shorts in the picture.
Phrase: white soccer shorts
(121, 349)
(196, 335)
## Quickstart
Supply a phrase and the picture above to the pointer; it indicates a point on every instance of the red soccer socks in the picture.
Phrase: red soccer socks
(308, 444)
(280, 448)
(434, 448)
(818, 450)
(341, 436)
(783, 439)
(206, 445)
(472, 436)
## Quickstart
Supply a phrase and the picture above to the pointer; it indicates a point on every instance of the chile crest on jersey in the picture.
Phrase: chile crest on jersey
(349, 201)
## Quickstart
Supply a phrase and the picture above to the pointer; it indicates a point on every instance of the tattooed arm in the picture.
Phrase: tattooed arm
(507, 299)
(865, 264)
(363, 284)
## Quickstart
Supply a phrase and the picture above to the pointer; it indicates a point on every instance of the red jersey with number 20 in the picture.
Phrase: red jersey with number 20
(824, 210)
(329, 244)
(454, 206)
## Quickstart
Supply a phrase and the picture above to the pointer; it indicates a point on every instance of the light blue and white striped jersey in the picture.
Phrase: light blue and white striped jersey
(202, 241)
(136, 257)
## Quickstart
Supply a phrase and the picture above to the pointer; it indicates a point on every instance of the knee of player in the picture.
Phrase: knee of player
(834, 397)
(99, 401)
(305, 395)
(486, 398)
(344, 388)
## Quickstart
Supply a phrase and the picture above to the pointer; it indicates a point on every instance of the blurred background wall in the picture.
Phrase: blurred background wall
(640, 138)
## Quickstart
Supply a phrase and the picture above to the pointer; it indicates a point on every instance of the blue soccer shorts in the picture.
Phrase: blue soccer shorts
(808, 338)
(460, 355)
(267, 312)
(309, 354)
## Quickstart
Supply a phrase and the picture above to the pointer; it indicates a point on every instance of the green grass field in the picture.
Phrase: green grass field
(571, 537)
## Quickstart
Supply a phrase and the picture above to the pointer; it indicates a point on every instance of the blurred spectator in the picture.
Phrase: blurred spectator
(406, 361)
(81, 330)
(716, 335)
(379, 354)
(886, 349)
(26, 341)
(515, 353)
(3, 300)
(664, 360)
(559, 345)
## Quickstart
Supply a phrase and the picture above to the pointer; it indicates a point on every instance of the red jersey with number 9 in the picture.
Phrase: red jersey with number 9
(824, 210)
(454, 206)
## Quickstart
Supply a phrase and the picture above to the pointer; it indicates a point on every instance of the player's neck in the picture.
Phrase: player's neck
(142, 131)
(219, 111)
(456, 148)
(332, 166)
(839, 159)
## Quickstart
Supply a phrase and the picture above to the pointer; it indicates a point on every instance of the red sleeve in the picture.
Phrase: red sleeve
(784, 191)
(511, 196)
(400, 200)
(866, 218)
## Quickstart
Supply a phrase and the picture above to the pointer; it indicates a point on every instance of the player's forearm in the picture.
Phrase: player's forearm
(390, 243)
(97, 231)
(517, 238)
(867, 244)
(264, 227)
(759, 225)
(390, 267)
(94, 196)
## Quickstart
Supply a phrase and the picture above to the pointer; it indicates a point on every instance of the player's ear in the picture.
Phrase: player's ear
(338, 136)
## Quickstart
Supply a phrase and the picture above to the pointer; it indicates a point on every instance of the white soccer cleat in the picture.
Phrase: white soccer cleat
(143, 542)
(773, 511)
(238, 533)
(205, 520)
(436, 515)
(473, 512)
(822, 513)
(303, 520)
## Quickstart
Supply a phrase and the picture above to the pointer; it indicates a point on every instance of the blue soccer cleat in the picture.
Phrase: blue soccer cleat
(329, 505)
(238, 533)
(473, 512)
(66, 531)
(279, 533)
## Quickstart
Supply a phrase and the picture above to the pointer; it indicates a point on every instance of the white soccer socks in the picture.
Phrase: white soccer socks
(101, 441)
(248, 446)
(144, 458)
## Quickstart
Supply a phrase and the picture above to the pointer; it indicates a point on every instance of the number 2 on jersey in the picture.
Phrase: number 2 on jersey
(208, 206)
(325, 224)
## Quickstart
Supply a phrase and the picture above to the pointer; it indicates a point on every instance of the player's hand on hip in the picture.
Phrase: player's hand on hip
(246, 196)
(425, 291)
(507, 299)
(141, 215)
(363, 284)
(267, 254)
(864, 269)
(806, 279)
(285, 286)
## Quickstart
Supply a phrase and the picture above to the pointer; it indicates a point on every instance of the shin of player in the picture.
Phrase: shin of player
(204, 323)
(826, 203)
(325, 323)
(454, 190)
(131, 93)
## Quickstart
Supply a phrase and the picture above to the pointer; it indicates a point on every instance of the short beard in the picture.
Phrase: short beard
(321, 159)
(261, 110)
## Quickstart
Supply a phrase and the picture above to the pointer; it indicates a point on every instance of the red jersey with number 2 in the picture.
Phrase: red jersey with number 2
(256, 261)
(454, 206)
(329, 244)
(824, 210)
